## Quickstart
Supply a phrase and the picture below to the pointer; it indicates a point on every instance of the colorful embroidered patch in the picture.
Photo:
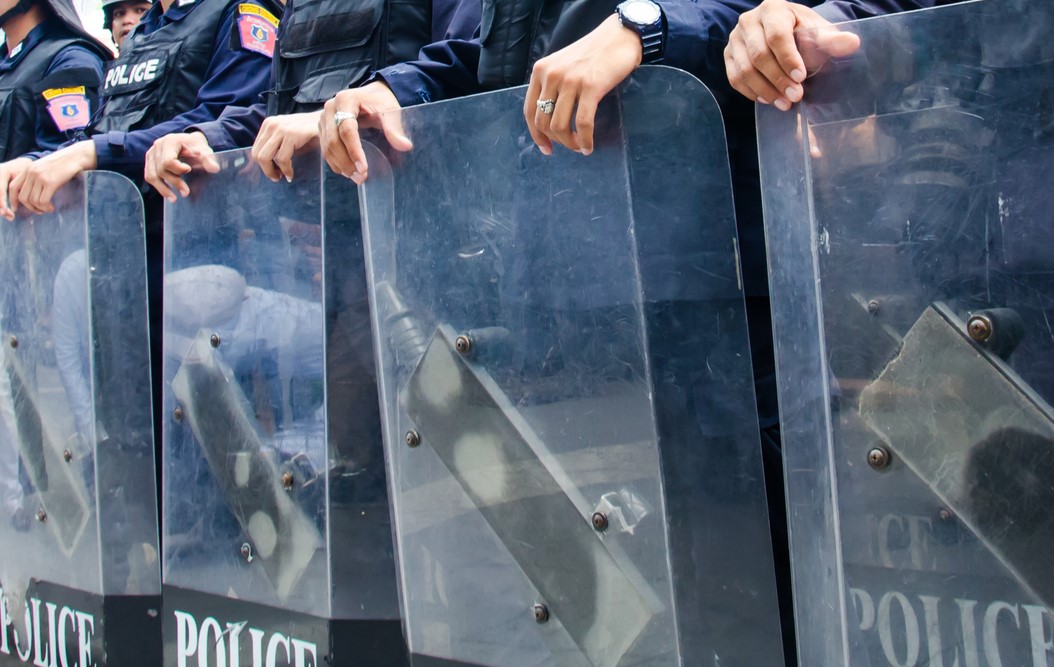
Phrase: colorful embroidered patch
(257, 29)
(68, 107)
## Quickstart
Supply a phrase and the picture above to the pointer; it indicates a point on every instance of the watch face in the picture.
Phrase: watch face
(641, 12)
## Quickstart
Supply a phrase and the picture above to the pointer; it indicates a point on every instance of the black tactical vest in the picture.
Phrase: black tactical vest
(517, 33)
(157, 75)
(21, 87)
(325, 46)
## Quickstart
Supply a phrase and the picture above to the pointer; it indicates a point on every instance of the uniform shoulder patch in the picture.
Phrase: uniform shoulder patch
(257, 29)
(68, 107)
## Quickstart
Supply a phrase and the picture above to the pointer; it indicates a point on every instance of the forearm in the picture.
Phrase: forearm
(445, 70)
(236, 127)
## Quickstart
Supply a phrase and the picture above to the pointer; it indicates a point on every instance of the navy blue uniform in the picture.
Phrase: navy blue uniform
(46, 134)
(235, 77)
(696, 35)
(237, 127)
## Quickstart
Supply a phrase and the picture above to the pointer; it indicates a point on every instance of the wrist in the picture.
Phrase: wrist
(646, 19)
(85, 155)
(625, 38)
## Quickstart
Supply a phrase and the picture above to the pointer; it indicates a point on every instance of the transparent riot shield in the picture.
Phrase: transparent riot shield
(912, 273)
(569, 414)
(275, 507)
(79, 571)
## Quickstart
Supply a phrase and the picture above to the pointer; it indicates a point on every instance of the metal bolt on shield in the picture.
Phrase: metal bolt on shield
(541, 613)
(247, 552)
(879, 458)
(463, 344)
(67, 455)
(872, 307)
(42, 516)
(287, 480)
(413, 439)
(600, 521)
(13, 341)
(177, 414)
(979, 327)
(214, 340)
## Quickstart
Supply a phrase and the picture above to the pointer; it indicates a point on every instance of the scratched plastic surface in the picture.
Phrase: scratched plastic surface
(275, 491)
(907, 211)
(568, 405)
(77, 497)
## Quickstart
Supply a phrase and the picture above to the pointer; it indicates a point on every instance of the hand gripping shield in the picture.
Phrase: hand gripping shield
(569, 415)
(78, 514)
(275, 508)
(907, 218)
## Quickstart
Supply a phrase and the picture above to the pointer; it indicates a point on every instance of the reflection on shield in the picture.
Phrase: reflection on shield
(907, 219)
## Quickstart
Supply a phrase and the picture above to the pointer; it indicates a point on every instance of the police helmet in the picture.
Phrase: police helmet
(107, 10)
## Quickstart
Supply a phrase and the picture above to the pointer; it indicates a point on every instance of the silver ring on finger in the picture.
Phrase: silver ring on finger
(547, 106)
(341, 116)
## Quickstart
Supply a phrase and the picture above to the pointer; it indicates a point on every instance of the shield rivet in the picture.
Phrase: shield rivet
(600, 521)
(979, 327)
(463, 344)
(541, 613)
(879, 458)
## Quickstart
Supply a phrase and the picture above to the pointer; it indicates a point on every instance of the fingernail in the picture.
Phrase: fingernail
(288, 178)
(793, 93)
(797, 75)
(545, 151)
(783, 105)
(360, 167)
(763, 100)
(586, 151)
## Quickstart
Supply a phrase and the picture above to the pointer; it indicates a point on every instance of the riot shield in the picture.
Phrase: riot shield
(912, 272)
(79, 567)
(569, 414)
(276, 517)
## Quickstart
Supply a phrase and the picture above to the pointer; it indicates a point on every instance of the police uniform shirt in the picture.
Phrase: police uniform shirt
(238, 127)
(235, 77)
(69, 87)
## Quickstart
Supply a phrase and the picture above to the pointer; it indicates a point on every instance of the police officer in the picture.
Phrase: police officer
(323, 48)
(50, 72)
(120, 17)
(183, 64)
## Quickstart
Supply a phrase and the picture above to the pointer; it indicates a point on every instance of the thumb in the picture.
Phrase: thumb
(392, 125)
(819, 40)
(201, 153)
